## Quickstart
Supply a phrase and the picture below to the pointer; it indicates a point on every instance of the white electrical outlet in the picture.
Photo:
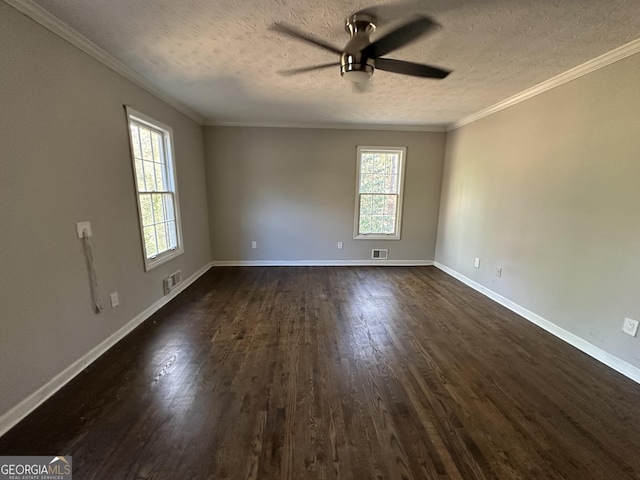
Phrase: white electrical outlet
(477, 263)
(115, 301)
(630, 326)
(339, 245)
(498, 271)
(82, 228)
(254, 244)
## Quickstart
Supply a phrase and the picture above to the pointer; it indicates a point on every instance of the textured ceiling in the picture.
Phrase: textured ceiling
(218, 58)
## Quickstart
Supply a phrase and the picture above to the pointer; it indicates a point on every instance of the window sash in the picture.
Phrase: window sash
(378, 214)
(158, 222)
(149, 147)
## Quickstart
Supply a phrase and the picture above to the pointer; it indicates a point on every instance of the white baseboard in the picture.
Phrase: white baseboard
(580, 343)
(322, 263)
(33, 401)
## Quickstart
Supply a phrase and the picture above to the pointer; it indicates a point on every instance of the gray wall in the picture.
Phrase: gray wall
(549, 190)
(64, 158)
(292, 191)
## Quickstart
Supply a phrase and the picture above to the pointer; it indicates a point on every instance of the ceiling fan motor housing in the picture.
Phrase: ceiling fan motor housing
(353, 65)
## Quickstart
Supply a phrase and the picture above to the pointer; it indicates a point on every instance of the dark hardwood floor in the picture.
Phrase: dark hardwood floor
(339, 372)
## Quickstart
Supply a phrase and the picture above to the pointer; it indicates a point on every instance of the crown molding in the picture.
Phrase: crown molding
(597, 63)
(61, 29)
(332, 126)
(64, 31)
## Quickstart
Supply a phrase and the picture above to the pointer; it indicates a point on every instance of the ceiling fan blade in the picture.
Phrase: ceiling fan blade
(410, 68)
(295, 33)
(295, 71)
(399, 37)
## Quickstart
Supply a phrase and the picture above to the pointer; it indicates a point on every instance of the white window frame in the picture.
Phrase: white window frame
(402, 152)
(153, 260)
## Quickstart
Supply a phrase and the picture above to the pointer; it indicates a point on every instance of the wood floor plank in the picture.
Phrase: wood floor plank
(339, 373)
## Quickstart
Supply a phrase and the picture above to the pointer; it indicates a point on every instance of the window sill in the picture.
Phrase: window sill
(374, 236)
(151, 263)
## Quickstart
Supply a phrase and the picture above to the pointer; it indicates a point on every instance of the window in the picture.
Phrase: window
(379, 192)
(155, 178)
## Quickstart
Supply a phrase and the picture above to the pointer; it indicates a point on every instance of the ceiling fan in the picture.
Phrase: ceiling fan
(360, 56)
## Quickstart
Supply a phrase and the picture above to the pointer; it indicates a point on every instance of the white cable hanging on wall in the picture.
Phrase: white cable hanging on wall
(84, 233)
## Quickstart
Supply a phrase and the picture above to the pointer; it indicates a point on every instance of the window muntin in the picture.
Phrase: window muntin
(155, 179)
(379, 185)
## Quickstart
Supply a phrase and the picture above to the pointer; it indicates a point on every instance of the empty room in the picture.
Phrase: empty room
(287, 239)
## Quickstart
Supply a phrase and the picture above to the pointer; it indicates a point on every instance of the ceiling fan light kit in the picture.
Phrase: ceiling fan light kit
(360, 56)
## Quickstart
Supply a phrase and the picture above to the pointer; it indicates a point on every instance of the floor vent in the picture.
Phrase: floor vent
(379, 253)
(171, 282)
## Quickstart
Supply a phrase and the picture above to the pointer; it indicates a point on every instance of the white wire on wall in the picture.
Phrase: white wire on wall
(93, 277)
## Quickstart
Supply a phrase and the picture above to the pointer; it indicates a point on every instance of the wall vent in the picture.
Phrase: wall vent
(171, 282)
(379, 253)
